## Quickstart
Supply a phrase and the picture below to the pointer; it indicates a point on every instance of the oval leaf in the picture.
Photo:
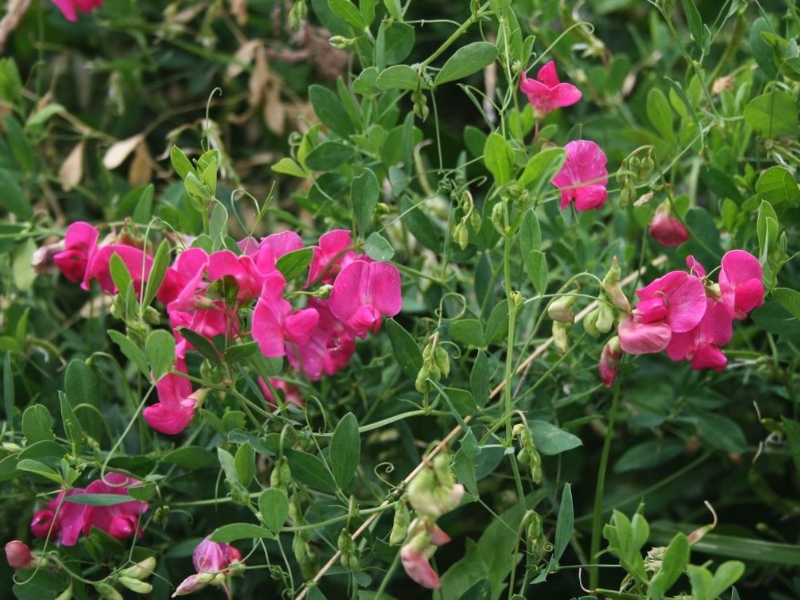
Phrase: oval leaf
(466, 61)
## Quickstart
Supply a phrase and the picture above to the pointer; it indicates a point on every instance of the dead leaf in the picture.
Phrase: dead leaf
(243, 57)
(71, 171)
(239, 9)
(141, 169)
(119, 151)
(259, 78)
(274, 111)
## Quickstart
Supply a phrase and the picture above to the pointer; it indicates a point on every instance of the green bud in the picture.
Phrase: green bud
(475, 220)
(560, 309)
(461, 234)
(300, 546)
(298, 14)
(560, 331)
(141, 570)
(340, 42)
(135, 585)
(107, 592)
(590, 323)
(402, 519)
(442, 360)
(613, 288)
(648, 164)
(605, 319)
(281, 475)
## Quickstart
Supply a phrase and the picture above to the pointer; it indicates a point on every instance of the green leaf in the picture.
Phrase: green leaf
(72, 426)
(482, 590)
(773, 115)
(159, 349)
(288, 166)
(228, 464)
(329, 155)
(98, 499)
(310, 470)
(704, 240)
(37, 424)
(245, 463)
(499, 158)
(420, 225)
(378, 248)
(240, 352)
(727, 574)
(479, 379)
(467, 60)
(675, 560)
(13, 199)
(530, 234)
(294, 263)
(788, 299)
(648, 454)
(366, 83)
(191, 457)
(180, 162)
(550, 440)
(347, 12)
(274, 507)
(34, 466)
(776, 185)
(131, 351)
(239, 531)
(398, 42)
(721, 432)
(660, 113)
(158, 271)
(536, 266)
(19, 143)
(695, 22)
(329, 108)
(542, 167)
(468, 332)
(364, 194)
(406, 352)
(41, 116)
(497, 325)
(399, 77)
(345, 450)
(8, 380)
(762, 51)
(201, 344)
(564, 524)
(144, 205)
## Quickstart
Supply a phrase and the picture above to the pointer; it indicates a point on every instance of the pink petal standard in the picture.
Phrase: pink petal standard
(666, 229)
(583, 177)
(546, 93)
(70, 8)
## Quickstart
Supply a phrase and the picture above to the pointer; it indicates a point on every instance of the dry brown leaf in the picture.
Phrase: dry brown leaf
(243, 57)
(259, 77)
(274, 111)
(239, 10)
(119, 151)
(71, 171)
(141, 169)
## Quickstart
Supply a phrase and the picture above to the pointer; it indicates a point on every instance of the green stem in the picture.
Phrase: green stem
(597, 513)
(454, 36)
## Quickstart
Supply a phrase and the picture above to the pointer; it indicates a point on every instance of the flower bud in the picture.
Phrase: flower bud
(402, 518)
(135, 585)
(605, 318)
(461, 234)
(433, 492)
(141, 570)
(65, 595)
(613, 288)
(560, 309)
(281, 475)
(19, 556)
(193, 583)
(609, 361)
(590, 322)
(298, 14)
(340, 42)
(560, 331)
(666, 229)
(107, 592)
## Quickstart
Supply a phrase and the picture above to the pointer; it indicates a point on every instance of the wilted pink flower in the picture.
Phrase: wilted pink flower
(740, 282)
(176, 403)
(416, 565)
(702, 344)
(546, 93)
(666, 229)
(674, 303)
(70, 8)
(609, 361)
(19, 556)
(583, 176)
(363, 293)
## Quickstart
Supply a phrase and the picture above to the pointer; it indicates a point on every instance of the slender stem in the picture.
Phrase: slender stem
(453, 37)
(597, 513)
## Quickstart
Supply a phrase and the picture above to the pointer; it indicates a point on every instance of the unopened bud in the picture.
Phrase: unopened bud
(402, 518)
(65, 595)
(107, 592)
(11, 447)
(590, 322)
(340, 42)
(560, 309)
(442, 360)
(141, 570)
(613, 288)
(461, 234)
(135, 585)
(281, 475)
(605, 318)
(298, 14)
(560, 331)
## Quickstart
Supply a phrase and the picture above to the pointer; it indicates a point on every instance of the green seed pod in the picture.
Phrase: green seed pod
(107, 592)
(141, 570)
(402, 519)
(135, 585)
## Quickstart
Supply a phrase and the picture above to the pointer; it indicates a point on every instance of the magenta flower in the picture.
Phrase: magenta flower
(702, 344)
(666, 229)
(19, 556)
(176, 403)
(291, 393)
(80, 244)
(329, 348)
(137, 262)
(363, 293)
(70, 8)
(214, 563)
(609, 361)
(275, 322)
(740, 282)
(239, 270)
(674, 303)
(583, 177)
(331, 256)
(546, 93)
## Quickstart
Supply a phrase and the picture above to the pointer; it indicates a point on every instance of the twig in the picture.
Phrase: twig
(16, 9)
(537, 352)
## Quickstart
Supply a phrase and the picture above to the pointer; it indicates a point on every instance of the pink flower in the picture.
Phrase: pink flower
(740, 282)
(329, 348)
(666, 229)
(215, 563)
(363, 293)
(241, 271)
(583, 176)
(546, 93)
(275, 322)
(702, 344)
(674, 303)
(80, 244)
(137, 262)
(70, 8)
(176, 404)
(19, 555)
(415, 562)
(609, 361)
(331, 256)
(291, 393)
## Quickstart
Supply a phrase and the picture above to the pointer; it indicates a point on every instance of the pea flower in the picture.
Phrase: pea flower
(740, 282)
(546, 93)
(666, 229)
(176, 402)
(19, 556)
(363, 293)
(70, 8)
(215, 564)
(609, 361)
(701, 345)
(583, 176)
(415, 554)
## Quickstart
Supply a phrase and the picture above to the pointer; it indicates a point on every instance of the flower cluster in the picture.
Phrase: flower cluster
(690, 317)
(583, 176)
(215, 563)
(64, 521)
(348, 295)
